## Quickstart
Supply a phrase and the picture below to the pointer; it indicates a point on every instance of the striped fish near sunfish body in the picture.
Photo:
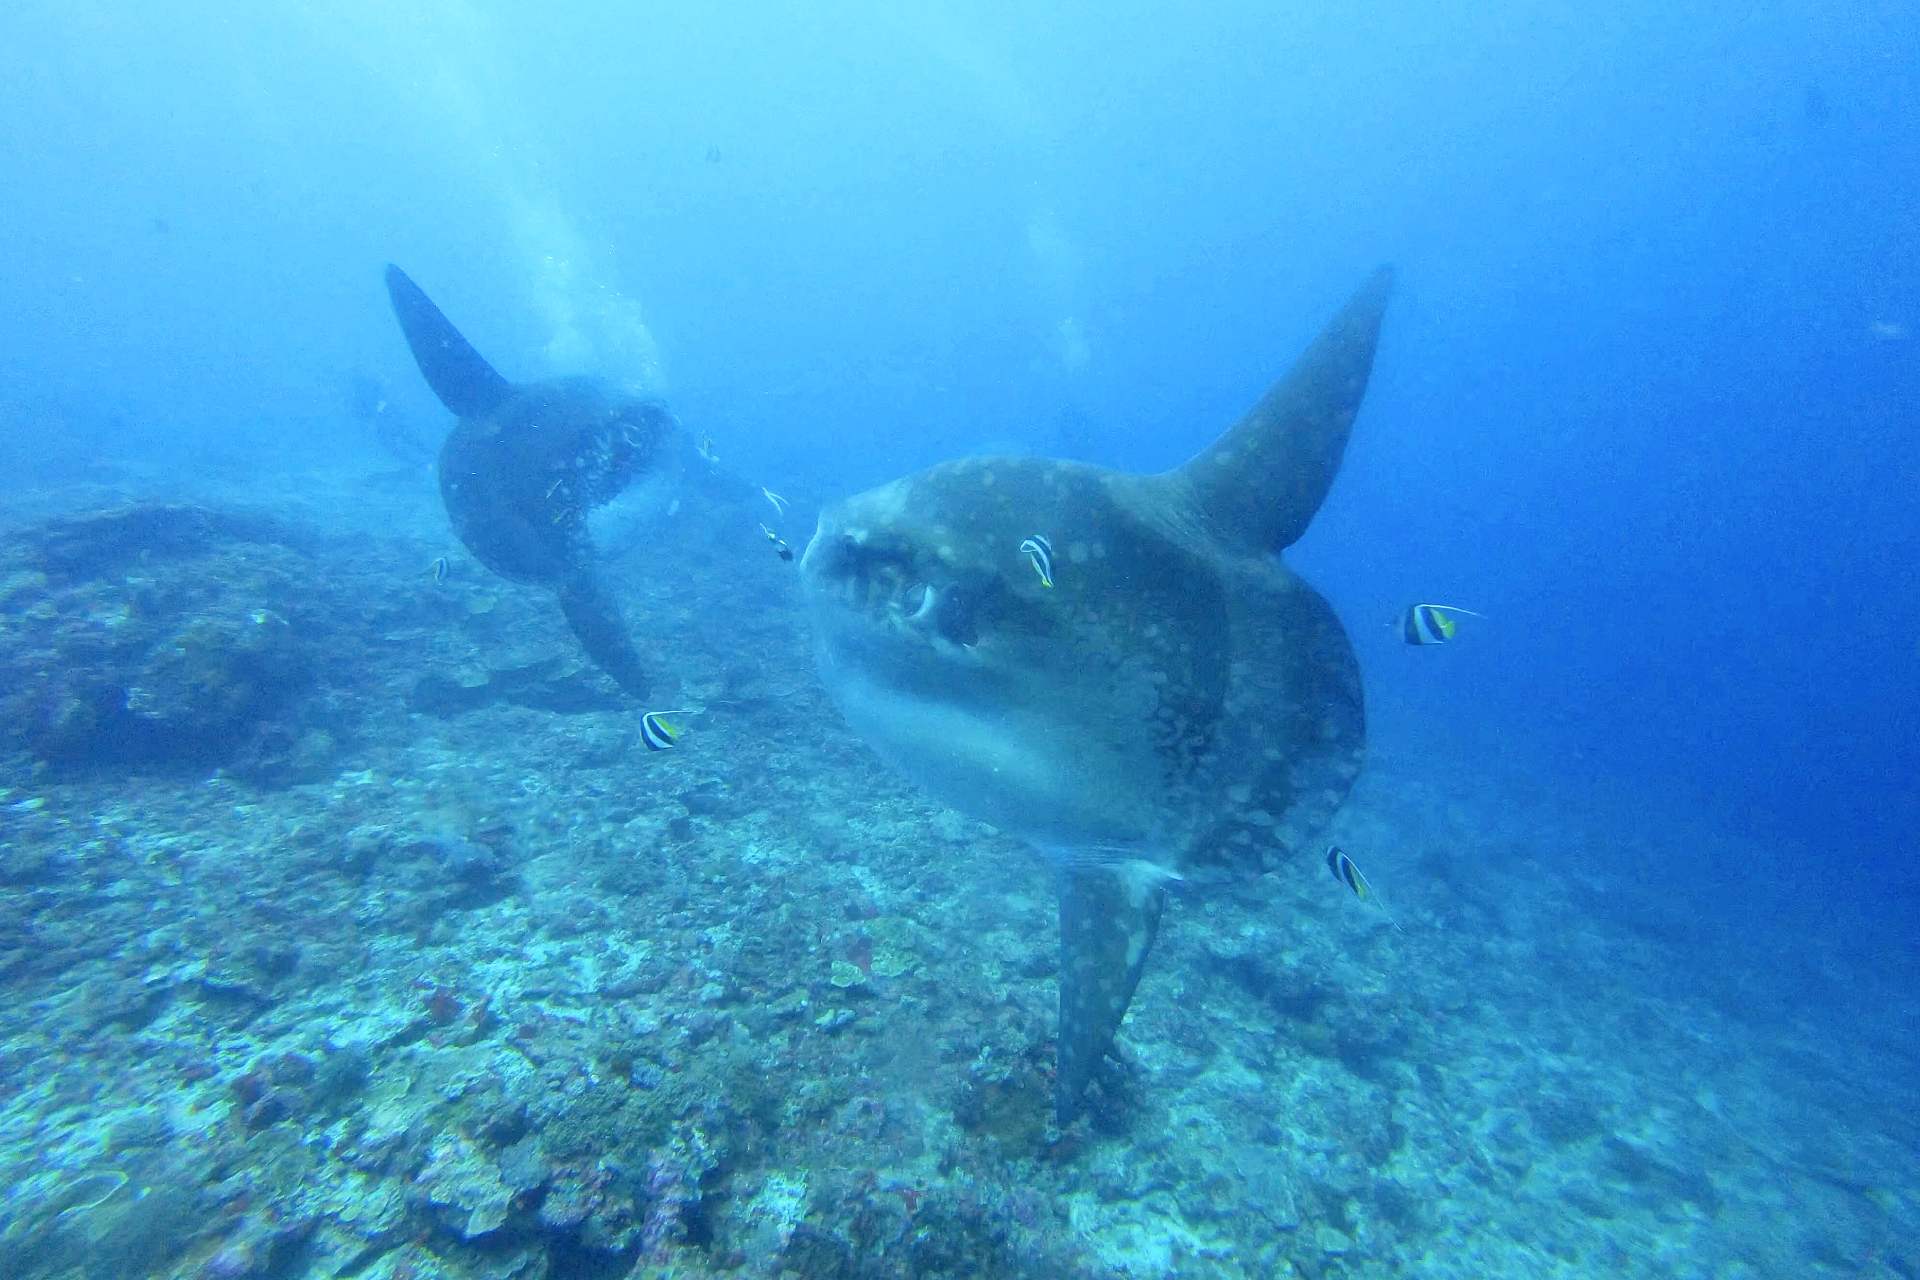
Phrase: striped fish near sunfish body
(658, 732)
(1349, 875)
(1346, 873)
(1040, 551)
(1431, 623)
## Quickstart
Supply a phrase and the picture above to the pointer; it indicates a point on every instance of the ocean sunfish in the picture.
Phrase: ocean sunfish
(527, 463)
(1117, 668)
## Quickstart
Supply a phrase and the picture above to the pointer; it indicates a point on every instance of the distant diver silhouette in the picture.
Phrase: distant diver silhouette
(528, 461)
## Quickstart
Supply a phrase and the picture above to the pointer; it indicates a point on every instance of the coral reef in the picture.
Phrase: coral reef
(165, 634)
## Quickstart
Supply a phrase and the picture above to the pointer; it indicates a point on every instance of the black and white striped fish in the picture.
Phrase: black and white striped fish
(1346, 873)
(1431, 623)
(1349, 875)
(658, 732)
(1040, 552)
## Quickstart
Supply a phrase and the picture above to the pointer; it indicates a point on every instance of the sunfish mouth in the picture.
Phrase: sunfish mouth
(880, 590)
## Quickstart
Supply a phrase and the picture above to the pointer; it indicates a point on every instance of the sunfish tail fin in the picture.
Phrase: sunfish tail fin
(458, 374)
(1109, 917)
(1258, 486)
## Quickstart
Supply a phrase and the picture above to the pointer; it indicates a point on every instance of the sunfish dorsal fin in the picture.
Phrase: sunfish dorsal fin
(1257, 487)
(1109, 917)
(458, 374)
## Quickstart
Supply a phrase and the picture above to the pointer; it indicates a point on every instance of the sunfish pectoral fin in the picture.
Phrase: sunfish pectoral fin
(594, 616)
(458, 374)
(1258, 486)
(1109, 917)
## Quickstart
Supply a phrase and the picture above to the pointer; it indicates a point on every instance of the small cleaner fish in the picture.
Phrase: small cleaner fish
(1349, 875)
(1040, 552)
(658, 732)
(1431, 623)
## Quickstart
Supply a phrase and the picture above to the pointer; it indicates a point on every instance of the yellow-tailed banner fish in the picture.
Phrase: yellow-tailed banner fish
(1040, 551)
(439, 569)
(1431, 623)
(780, 546)
(658, 732)
(1349, 875)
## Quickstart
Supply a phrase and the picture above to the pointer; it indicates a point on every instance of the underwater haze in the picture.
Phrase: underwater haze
(354, 923)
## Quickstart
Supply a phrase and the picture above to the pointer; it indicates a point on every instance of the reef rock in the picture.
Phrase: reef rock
(164, 635)
(463, 1180)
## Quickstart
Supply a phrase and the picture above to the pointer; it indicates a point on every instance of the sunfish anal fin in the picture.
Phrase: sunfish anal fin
(458, 374)
(1109, 917)
(594, 616)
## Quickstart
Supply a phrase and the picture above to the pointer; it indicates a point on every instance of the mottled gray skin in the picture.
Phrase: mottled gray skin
(1177, 697)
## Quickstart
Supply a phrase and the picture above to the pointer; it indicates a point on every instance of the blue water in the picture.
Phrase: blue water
(1646, 398)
